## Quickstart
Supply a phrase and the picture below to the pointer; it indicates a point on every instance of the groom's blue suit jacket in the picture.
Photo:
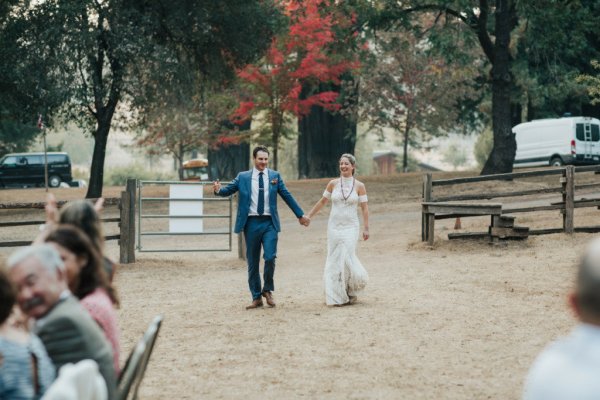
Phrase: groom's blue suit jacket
(243, 184)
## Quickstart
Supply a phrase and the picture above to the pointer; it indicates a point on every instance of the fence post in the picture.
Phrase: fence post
(569, 198)
(427, 187)
(127, 224)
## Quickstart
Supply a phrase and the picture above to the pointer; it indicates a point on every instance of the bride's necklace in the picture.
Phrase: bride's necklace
(342, 188)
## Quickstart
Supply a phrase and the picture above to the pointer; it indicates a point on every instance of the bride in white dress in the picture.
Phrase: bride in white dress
(344, 275)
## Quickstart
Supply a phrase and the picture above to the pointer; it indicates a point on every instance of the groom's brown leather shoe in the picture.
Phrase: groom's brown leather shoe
(269, 297)
(255, 304)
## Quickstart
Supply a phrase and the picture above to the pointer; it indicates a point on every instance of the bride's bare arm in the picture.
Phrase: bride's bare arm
(322, 201)
(364, 205)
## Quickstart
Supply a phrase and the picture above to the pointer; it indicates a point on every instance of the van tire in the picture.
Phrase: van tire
(54, 181)
(556, 162)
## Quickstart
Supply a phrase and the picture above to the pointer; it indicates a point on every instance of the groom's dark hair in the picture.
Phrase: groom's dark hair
(260, 148)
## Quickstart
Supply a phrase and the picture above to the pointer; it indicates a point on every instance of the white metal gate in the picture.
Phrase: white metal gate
(151, 233)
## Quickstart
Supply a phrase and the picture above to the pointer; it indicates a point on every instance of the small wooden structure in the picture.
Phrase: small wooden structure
(439, 210)
(385, 161)
(503, 228)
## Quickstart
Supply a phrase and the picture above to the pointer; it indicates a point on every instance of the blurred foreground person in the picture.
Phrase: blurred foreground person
(26, 371)
(81, 381)
(85, 216)
(570, 367)
(87, 280)
(67, 330)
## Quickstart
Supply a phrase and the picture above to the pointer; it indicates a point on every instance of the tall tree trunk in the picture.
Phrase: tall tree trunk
(322, 138)
(503, 152)
(405, 155)
(276, 136)
(97, 170)
(225, 161)
(179, 157)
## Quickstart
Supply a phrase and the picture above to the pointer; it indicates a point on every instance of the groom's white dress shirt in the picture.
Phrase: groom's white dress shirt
(255, 194)
(568, 369)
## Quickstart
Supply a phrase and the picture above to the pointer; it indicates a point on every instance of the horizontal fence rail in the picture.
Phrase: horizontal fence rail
(109, 201)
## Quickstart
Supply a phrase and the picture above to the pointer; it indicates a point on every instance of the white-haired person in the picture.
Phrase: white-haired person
(569, 368)
(26, 371)
(66, 329)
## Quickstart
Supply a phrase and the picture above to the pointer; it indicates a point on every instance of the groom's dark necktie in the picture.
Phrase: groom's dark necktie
(260, 208)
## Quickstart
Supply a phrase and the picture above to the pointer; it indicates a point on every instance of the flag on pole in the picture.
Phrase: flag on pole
(40, 123)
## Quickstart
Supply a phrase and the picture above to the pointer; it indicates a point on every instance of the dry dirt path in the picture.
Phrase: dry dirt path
(459, 321)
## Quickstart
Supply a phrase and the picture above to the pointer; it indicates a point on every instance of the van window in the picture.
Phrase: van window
(32, 160)
(595, 133)
(57, 159)
(10, 161)
(579, 132)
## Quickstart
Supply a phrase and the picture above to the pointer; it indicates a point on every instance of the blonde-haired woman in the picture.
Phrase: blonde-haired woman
(344, 275)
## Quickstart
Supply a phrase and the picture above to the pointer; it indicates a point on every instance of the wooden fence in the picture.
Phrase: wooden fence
(126, 221)
(463, 203)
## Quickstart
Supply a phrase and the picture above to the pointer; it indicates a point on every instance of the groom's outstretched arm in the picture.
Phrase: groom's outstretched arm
(228, 190)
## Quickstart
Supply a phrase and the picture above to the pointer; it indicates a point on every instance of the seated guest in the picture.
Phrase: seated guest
(87, 280)
(86, 217)
(570, 367)
(66, 329)
(26, 371)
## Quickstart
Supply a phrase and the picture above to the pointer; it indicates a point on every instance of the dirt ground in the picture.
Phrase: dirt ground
(459, 320)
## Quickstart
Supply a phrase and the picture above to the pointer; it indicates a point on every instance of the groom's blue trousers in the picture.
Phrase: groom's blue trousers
(260, 232)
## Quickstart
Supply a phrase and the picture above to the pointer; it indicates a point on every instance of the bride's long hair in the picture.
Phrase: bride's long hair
(350, 158)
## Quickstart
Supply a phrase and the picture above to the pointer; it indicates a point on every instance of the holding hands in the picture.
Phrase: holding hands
(304, 220)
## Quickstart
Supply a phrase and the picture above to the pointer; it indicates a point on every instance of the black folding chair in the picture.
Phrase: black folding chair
(133, 372)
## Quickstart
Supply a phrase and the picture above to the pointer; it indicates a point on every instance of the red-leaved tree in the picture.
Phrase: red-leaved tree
(303, 54)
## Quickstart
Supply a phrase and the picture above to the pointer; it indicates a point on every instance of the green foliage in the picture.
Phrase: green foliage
(483, 146)
(15, 136)
(118, 176)
(592, 83)
(554, 44)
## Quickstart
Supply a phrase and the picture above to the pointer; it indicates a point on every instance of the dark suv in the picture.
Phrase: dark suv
(27, 169)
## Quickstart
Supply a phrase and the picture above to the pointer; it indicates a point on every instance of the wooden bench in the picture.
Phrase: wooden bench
(438, 210)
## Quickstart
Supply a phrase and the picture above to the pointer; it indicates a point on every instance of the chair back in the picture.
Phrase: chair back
(133, 372)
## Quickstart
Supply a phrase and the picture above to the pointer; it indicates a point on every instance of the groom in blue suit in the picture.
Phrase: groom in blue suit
(257, 217)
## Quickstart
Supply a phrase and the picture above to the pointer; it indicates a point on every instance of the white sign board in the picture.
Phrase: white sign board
(187, 208)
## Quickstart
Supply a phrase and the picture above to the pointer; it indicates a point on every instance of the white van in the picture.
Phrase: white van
(557, 141)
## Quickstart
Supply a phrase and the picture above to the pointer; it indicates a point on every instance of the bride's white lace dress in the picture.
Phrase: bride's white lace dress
(344, 274)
